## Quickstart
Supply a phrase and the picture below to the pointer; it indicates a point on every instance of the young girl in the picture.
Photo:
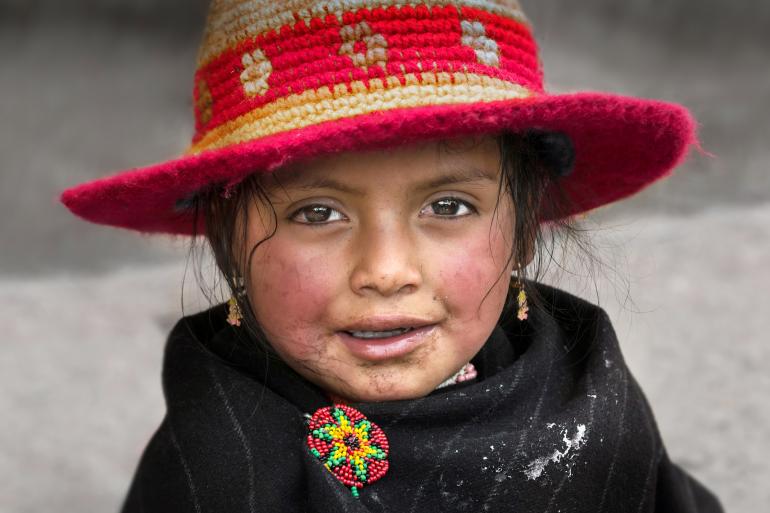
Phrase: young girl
(378, 182)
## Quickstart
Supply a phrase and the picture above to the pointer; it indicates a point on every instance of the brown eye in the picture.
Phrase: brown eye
(451, 207)
(316, 214)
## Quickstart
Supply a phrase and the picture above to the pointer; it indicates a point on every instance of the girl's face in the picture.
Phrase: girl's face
(374, 243)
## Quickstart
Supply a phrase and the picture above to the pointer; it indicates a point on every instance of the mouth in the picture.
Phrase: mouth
(378, 345)
(369, 335)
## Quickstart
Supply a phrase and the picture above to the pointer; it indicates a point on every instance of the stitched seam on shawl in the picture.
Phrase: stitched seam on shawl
(591, 391)
(460, 433)
(188, 474)
(493, 493)
(654, 463)
(536, 413)
(241, 437)
(656, 452)
(617, 441)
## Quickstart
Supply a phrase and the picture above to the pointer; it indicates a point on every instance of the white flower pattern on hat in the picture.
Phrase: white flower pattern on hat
(256, 70)
(376, 45)
(475, 36)
(232, 21)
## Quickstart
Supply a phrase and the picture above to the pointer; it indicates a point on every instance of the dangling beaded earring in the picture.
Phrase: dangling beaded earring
(521, 298)
(234, 314)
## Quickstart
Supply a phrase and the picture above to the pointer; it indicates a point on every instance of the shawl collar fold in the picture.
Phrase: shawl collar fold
(555, 421)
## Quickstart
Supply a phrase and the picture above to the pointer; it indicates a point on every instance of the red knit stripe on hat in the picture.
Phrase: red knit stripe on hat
(299, 58)
(233, 21)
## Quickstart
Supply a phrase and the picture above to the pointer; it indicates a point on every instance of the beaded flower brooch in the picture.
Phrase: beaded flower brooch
(350, 446)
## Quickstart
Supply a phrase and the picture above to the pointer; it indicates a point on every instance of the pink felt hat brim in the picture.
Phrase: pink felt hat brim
(622, 144)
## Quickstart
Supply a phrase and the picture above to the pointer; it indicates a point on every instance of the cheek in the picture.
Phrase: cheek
(464, 277)
(289, 288)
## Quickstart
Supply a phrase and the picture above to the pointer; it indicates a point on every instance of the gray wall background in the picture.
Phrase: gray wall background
(91, 87)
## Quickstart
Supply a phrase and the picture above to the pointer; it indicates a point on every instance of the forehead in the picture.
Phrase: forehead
(475, 155)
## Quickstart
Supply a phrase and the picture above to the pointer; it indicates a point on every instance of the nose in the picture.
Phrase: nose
(387, 262)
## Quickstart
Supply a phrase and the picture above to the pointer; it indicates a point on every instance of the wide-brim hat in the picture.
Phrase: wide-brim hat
(283, 81)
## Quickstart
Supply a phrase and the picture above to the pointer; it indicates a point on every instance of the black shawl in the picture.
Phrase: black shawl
(554, 422)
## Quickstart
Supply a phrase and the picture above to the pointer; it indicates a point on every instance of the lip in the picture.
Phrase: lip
(387, 323)
(379, 349)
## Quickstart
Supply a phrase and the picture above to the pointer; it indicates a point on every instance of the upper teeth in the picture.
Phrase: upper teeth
(379, 334)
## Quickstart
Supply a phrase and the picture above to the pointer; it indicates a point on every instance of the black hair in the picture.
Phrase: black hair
(533, 164)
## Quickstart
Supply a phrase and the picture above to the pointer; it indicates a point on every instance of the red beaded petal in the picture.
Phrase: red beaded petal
(351, 447)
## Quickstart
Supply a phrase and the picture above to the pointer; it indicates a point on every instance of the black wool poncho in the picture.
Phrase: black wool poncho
(554, 422)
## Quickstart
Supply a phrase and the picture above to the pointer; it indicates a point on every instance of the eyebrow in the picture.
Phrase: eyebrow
(455, 176)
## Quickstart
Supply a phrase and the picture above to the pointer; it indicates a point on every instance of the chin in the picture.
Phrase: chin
(378, 390)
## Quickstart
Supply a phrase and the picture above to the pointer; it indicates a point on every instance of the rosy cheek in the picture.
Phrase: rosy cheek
(464, 278)
(291, 287)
